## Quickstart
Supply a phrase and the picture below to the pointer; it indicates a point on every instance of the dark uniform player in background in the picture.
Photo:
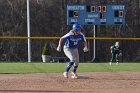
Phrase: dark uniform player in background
(116, 53)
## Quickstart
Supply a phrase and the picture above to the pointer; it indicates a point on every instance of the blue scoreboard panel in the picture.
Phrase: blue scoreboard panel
(93, 14)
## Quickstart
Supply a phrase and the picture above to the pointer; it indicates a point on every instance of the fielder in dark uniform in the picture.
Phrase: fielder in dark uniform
(116, 53)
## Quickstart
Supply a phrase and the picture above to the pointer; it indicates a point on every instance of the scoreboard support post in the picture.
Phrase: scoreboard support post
(94, 43)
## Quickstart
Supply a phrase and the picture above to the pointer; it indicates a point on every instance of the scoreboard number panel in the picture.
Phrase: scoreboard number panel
(94, 14)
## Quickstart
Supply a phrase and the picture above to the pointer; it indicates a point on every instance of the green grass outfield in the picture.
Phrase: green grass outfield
(10, 68)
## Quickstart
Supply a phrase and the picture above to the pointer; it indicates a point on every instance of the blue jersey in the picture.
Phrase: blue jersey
(71, 40)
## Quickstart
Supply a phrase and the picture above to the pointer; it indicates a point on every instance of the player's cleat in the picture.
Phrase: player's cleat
(110, 63)
(65, 74)
(74, 75)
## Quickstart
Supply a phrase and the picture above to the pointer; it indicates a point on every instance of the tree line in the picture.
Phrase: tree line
(48, 18)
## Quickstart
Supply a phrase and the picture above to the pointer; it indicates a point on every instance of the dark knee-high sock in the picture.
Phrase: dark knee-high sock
(69, 66)
(74, 69)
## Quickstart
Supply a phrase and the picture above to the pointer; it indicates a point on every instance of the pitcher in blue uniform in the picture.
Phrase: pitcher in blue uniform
(71, 41)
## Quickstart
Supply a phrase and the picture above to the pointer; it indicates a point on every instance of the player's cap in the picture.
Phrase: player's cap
(76, 27)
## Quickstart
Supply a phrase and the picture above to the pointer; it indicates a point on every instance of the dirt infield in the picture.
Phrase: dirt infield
(101, 82)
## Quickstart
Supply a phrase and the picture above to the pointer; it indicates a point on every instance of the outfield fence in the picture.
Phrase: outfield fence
(14, 49)
(54, 38)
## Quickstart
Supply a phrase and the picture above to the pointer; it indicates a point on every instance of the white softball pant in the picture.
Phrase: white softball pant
(72, 54)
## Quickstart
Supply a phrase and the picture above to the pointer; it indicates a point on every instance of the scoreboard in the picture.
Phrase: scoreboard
(94, 14)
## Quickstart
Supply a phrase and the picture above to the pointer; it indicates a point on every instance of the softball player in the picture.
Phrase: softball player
(116, 52)
(71, 41)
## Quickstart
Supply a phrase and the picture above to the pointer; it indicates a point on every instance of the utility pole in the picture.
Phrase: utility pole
(28, 32)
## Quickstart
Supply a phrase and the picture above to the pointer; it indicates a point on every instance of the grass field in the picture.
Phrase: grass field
(10, 68)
